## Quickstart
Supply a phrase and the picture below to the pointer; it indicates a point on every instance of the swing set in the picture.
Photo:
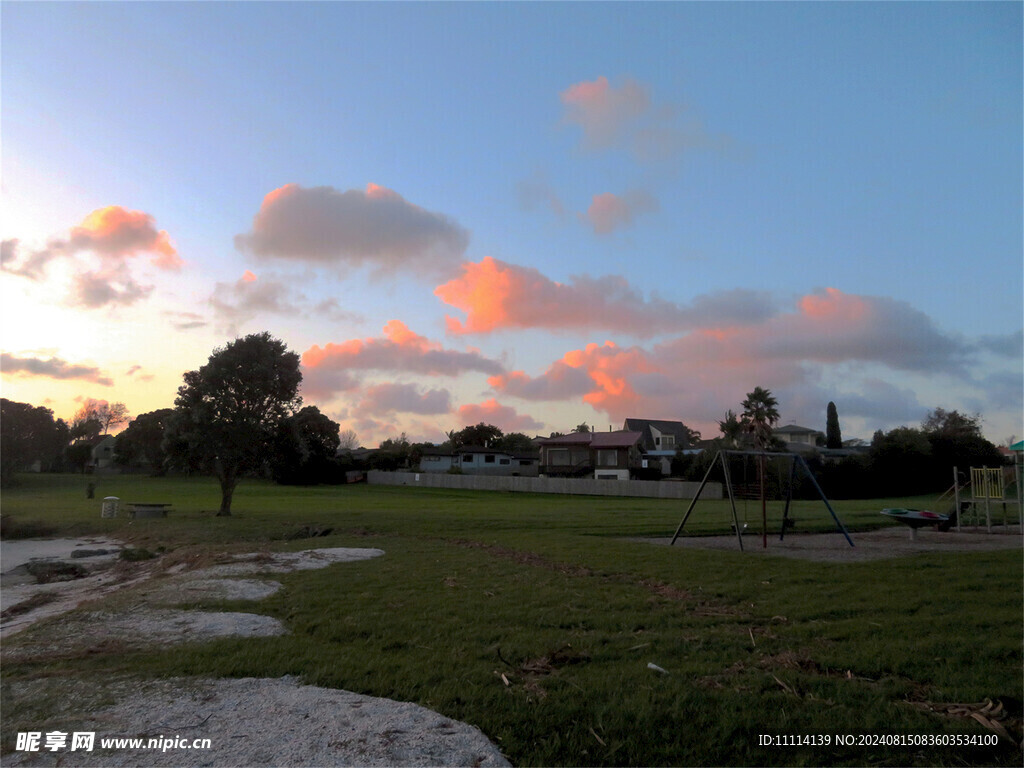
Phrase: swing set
(795, 460)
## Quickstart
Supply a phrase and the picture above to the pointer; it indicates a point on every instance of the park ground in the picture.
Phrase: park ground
(536, 618)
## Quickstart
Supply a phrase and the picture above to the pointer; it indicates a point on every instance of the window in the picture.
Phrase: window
(607, 458)
(467, 458)
(559, 457)
(489, 458)
(506, 461)
(667, 441)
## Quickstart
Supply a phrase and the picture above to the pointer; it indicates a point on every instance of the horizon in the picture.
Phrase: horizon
(533, 216)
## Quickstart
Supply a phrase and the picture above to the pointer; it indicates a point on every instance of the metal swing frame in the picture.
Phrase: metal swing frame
(795, 460)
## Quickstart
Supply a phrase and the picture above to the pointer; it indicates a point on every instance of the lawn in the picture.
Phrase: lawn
(548, 592)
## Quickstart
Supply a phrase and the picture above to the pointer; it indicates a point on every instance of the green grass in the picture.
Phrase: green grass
(477, 585)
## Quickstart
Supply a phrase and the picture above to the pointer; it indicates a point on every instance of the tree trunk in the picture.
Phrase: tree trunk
(228, 481)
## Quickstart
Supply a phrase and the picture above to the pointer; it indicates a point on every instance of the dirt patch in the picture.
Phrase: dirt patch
(881, 544)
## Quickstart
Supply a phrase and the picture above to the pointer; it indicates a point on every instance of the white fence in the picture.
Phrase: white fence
(652, 489)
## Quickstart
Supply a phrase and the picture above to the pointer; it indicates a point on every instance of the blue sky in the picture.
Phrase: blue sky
(586, 211)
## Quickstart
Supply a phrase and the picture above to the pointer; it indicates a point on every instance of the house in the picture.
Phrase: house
(798, 439)
(659, 441)
(479, 460)
(103, 452)
(602, 455)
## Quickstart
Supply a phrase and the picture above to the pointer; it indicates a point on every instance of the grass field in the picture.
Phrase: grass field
(547, 591)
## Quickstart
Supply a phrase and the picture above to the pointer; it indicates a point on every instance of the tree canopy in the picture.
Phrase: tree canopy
(143, 442)
(28, 434)
(228, 412)
(833, 435)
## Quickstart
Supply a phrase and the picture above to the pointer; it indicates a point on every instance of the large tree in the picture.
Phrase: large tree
(28, 434)
(833, 436)
(143, 442)
(230, 410)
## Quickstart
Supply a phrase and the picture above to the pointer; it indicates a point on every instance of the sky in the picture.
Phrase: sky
(534, 215)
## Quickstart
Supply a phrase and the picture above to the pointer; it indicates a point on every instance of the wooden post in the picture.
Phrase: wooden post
(956, 496)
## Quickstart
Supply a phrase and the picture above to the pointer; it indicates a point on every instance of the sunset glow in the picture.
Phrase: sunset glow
(551, 236)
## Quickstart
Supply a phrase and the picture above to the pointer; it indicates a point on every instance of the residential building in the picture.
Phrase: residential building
(659, 441)
(797, 438)
(602, 455)
(479, 460)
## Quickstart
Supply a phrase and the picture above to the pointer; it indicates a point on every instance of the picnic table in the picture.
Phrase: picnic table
(148, 508)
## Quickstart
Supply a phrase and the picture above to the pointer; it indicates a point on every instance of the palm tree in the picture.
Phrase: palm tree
(760, 415)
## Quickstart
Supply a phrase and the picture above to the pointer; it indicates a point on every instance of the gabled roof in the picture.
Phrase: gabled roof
(675, 428)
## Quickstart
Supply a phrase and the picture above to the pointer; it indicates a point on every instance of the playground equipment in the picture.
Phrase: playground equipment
(795, 460)
(987, 485)
(915, 518)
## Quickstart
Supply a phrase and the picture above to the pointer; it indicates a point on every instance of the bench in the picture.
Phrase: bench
(140, 509)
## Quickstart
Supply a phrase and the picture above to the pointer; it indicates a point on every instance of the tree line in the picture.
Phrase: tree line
(241, 414)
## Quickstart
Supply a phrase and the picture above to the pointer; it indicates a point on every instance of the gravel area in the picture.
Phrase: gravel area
(273, 723)
(892, 541)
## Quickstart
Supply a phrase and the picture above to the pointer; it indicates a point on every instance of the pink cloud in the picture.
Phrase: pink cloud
(113, 235)
(625, 117)
(496, 296)
(605, 113)
(352, 228)
(501, 416)
(400, 350)
(696, 376)
(405, 398)
(609, 212)
(119, 233)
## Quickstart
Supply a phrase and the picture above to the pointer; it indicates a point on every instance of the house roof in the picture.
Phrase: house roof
(675, 428)
(621, 439)
(794, 429)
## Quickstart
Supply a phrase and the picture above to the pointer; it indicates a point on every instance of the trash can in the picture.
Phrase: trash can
(110, 506)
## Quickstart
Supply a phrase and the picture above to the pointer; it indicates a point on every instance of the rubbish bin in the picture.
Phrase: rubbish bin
(110, 506)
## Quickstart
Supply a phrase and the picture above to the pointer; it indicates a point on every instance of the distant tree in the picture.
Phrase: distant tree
(901, 463)
(951, 424)
(731, 429)
(957, 441)
(833, 436)
(348, 440)
(515, 442)
(305, 448)
(143, 441)
(85, 428)
(28, 434)
(228, 412)
(483, 435)
(392, 454)
(760, 415)
(584, 427)
(691, 436)
(108, 415)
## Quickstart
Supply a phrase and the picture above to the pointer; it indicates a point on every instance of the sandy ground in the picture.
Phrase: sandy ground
(893, 541)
